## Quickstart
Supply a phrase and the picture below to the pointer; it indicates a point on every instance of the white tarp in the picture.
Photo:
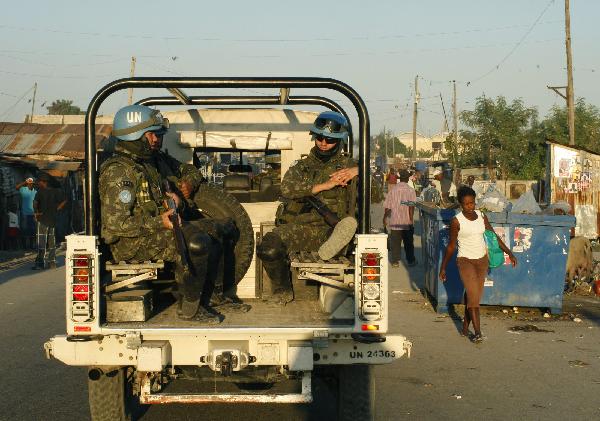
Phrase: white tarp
(255, 141)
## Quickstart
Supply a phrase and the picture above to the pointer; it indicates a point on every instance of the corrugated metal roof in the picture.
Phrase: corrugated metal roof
(65, 140)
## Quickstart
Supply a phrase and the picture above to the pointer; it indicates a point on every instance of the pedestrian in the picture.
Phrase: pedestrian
(392, 178)
(467, 230)
(326, 174)
(377, 194)
(445, 186)
(136, 226)
(47, 202)
(27, 192)
(12, 229)
(415, 181)
(470, 181)
(398, 218)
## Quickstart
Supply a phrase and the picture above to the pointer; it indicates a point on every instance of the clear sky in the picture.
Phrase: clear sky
(72, 48)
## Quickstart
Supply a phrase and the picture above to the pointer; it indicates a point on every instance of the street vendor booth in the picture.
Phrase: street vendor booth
(540, 243)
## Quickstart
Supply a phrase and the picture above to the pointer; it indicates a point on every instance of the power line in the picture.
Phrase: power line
(258, 40)
(516, 46)
(15, 104)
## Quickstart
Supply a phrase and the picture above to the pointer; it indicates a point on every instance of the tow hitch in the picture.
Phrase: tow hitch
(226, 361)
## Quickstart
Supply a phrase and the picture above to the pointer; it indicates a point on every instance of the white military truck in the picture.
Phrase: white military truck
(121, 319)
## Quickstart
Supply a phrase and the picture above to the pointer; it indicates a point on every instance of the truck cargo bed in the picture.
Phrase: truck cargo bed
(298, 313)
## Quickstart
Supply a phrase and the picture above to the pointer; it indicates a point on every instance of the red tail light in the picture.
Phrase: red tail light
(371, 259)
(80, 260)
(81, 292)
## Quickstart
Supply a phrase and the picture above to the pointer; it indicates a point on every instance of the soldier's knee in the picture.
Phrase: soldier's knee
(271, 248)
(199, 244)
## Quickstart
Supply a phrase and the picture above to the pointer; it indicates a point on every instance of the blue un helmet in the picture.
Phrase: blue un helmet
(133, 121)
(331, 125)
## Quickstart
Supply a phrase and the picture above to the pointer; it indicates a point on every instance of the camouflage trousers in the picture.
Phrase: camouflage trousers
(206, 271)
(160, 245)
(307, 237)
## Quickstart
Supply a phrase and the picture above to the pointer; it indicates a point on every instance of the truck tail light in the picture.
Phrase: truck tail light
(81, 294)
(370, 307)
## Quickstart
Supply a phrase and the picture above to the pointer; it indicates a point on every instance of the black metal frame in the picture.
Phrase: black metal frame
(175, 84)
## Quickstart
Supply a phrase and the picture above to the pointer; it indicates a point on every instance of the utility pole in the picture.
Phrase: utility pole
(394, 149)
(570, 93)
(33, 102)
(131, 74)
(454, 126)
(414, 151)
(447, 126)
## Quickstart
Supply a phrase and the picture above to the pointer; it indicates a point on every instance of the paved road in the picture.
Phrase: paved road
(552, 375)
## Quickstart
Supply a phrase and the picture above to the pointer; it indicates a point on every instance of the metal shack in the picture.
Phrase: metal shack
(573, 175)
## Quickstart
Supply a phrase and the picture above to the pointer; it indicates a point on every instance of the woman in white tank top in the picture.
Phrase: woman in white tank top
(466, 231)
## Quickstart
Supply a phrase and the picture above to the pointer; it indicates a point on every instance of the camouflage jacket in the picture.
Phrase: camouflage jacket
(131, 196)
(299, 181)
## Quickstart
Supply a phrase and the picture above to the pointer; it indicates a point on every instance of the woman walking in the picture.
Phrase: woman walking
(467, 229)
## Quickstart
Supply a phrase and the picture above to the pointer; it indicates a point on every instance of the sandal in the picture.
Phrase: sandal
(477, 338)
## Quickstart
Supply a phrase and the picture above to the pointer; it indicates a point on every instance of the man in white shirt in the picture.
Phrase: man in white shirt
(444, 185)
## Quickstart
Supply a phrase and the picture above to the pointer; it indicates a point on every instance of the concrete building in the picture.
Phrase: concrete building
(434, 144)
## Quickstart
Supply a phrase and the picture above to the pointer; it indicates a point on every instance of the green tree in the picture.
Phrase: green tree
(502, 134)
(386, 144)
(63, 107)
(587, 125)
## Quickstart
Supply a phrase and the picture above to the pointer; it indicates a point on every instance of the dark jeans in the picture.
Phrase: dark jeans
(46, 243)
(395, 240)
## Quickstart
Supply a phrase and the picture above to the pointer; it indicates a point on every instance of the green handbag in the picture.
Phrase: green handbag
(495, 253)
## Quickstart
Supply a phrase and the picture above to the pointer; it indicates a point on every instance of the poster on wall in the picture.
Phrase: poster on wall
(522, 239)
(565, 162)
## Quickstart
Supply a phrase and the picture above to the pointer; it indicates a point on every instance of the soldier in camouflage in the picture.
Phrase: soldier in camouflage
(134, 222)
(327, 174)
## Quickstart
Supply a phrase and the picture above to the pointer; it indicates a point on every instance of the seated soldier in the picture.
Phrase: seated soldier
(324, 174)
(135, 224)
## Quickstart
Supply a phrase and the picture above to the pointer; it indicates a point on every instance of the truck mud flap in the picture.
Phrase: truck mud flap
(146, 397)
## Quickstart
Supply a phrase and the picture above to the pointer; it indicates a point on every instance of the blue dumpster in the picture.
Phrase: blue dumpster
(540, 243)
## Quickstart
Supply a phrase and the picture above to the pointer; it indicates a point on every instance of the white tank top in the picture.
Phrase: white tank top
(471, 243)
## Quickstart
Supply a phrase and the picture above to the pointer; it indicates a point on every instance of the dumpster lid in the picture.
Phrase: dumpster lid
(547, 220)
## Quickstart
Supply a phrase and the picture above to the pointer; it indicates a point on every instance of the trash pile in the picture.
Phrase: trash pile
(492, 200)
(583, 267)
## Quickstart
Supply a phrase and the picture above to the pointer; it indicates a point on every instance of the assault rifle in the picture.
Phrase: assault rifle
(180, 243)
(327, 214)
(343, 229)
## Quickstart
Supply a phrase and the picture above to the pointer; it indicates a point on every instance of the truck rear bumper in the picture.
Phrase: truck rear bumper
(157, 353)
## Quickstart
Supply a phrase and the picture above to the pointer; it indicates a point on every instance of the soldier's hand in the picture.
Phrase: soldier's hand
(186, 189)
(343, 176)
(166, 221)
(175, 198)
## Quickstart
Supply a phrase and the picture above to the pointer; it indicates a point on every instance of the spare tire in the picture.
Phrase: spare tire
(214, 202)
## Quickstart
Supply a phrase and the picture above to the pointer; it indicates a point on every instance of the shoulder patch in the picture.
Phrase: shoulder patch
(125, 196)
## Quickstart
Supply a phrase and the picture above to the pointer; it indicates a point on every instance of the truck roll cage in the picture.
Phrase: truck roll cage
(175, 85)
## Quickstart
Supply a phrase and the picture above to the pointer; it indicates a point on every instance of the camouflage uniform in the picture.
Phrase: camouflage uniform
(301, 227)
(131, 200)
(131, 204)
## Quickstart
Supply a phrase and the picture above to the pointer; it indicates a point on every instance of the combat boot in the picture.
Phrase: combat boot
(342, 234)
(282, 292)
(187, 309)
(273, 253)
(233, 304)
